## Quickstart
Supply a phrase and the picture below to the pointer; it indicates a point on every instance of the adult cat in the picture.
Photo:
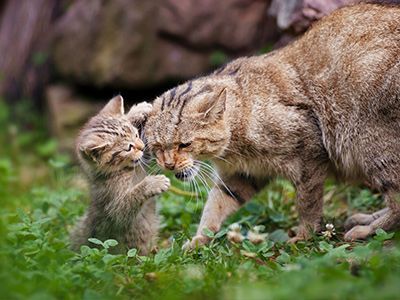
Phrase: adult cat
(329, 101)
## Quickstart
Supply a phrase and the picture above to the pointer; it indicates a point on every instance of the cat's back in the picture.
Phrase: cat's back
(355, 43)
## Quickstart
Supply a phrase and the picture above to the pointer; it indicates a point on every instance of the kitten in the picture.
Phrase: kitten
(123, 206)
(330, 101)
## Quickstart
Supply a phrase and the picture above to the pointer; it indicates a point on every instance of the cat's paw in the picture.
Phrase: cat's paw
(142, 109)
(358, 219)
(196, 242)
(156, 184)
(358, 233)
(303, 234)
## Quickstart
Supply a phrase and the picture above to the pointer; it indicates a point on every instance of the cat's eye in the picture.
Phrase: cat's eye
(184, 145)
(130, 147)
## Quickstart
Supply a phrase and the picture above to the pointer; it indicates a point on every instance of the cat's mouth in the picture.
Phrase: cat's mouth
(188, 174)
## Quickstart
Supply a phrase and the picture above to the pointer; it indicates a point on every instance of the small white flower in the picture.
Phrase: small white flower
(235, 227)
(234, 235)
(258, 228)
(330, 227)
(255, 237)
(330, 231)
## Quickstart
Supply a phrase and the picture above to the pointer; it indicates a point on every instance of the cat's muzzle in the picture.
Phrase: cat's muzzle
(187, 174)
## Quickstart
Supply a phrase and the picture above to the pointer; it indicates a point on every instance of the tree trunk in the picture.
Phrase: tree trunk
(24, 40)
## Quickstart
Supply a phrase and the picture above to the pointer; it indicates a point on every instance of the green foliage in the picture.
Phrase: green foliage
(37, 216)
(218, 58)
(39, 58)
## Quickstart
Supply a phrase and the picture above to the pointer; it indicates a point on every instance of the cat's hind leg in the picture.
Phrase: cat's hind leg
(363, 219)
(388, 221)
(380, 152)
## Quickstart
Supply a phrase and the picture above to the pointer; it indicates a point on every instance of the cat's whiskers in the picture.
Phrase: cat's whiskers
(142, 161)
(141, 166)
(210, 168)
(213, 181)
(223, 159)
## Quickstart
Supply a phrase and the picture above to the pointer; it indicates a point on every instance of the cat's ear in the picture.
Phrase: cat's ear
(92, 148)
(214, 106)
(139, 112)
(114, 107)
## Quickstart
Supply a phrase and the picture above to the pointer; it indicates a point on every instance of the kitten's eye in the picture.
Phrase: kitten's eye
(130, 147)
(184, 145)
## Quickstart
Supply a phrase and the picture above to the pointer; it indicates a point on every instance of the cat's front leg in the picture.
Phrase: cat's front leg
(126, 204)
(218, 207)
(223, 200)
(309, 202)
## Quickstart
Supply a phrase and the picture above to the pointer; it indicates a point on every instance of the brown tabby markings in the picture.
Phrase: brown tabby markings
(329, 102)
(123, 204)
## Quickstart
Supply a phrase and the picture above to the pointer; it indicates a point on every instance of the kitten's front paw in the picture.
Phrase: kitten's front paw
(197, 242)
(157, 184)
(139, 112)
(143, 109)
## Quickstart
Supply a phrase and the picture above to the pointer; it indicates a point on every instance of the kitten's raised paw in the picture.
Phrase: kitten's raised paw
(196, 242)
(358, 233)
(143, 108)
(157, 184)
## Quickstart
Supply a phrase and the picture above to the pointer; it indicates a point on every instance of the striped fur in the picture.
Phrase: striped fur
(122, 196)
(330, 101)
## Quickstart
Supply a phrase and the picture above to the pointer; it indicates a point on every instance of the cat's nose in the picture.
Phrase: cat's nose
(169, 165)
(139, 145)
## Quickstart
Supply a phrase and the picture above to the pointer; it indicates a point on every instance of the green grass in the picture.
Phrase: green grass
(42, 196)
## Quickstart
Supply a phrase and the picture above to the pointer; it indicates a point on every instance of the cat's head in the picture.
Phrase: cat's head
(188, 123)
(110, 141)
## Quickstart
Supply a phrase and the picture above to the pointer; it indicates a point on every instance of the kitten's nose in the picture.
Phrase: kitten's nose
(139, 145)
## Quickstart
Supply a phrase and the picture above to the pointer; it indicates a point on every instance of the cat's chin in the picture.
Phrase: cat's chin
(187, 174)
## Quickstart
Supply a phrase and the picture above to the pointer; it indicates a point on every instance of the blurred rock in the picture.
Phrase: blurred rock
(107, 42)
(133, 43)
(230, 24)
(296, 16)
(67, 113)
(115, 43)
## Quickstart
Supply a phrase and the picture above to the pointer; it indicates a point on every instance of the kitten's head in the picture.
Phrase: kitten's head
(188, 123)
(109, 141)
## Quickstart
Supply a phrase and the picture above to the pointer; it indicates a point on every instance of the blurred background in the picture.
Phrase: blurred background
(65, 58)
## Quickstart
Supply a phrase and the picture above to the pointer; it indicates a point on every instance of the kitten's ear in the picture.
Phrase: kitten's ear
(114, 107)
(214, 107)
(92, 148)
(139, 112)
